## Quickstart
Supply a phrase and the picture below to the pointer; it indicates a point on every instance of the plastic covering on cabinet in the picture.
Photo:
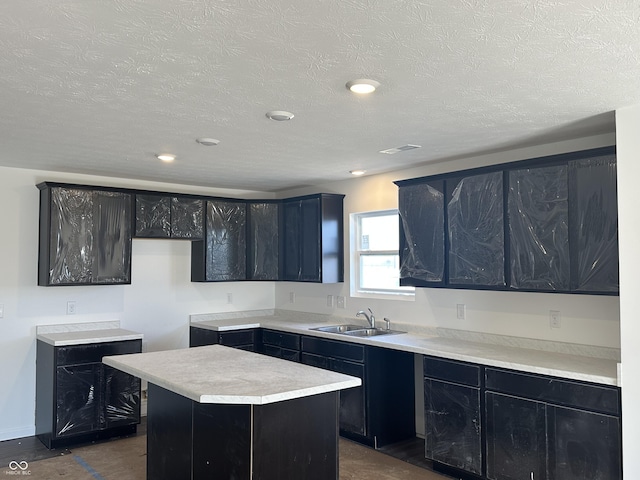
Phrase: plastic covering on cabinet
(122, 397)
(226, 241)
(263, 241)
(421, 210)
(153, 216)
(186, 218)
(538, 228)
(72, 233)
(594, 213)
(77, 399)
(476, 230)
(90, 237)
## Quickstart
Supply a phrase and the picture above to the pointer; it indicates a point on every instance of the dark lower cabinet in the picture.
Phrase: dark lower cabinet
(281, 345)
(79, 399)
(453, 414)
(245, 339)
(381, 411)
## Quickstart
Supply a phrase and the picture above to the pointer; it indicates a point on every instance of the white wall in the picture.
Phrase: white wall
(628, 153)
(586, 319)
(157, 303)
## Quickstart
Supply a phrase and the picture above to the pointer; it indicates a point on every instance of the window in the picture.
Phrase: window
(375, 261)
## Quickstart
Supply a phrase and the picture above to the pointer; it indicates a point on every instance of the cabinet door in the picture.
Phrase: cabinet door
(421, 210)
(226, 241)
(153, 216)
(453, 433)
(594, 224)
(516, 438)
(291, 238)
(77, 399)
(310, 245)
(121, 398)
(583, 445)
(476, 230)
(113, 237)
(352, 400)
(263, 238)
(539, 228)
(187, 218)
(200, 337)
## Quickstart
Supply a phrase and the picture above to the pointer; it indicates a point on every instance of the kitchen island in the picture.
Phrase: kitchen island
(218, 412)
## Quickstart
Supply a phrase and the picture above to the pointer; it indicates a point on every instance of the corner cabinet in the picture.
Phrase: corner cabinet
(85, 235)
(79, 399)
(540, 225)
(312, 239)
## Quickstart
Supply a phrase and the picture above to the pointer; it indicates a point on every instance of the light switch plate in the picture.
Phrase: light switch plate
(341, 302)
(1, 310)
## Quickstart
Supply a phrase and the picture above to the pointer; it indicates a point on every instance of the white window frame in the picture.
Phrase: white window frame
(400, 293)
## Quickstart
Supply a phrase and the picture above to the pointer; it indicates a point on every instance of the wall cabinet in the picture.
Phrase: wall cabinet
(263, 240)
(221, 257)
(381, 411)
(246, 339)
(312, 239)
(541, 225)
(85, 236)
(164, 216)
(79, 399)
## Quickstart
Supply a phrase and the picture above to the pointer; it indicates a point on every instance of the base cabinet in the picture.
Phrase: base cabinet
(79, 399)
(245, 339)
(281, 345)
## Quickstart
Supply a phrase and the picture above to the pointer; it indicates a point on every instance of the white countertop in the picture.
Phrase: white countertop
(84, 333)
(577, 367)
(218, 374)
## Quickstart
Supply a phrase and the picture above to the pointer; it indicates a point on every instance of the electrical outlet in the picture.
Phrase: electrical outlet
(71, 308)
(292, 297)
(229, 297)
(341, 301)
(461, 311)
(554, 319)
(330, 301)
(1, 310)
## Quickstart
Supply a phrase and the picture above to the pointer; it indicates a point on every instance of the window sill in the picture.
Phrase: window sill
(405, 297)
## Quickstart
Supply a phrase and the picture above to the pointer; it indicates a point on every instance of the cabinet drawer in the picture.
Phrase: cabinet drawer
(569, 393)
(330, 348)
(280, 339)
(237, 338)
(200, 337)
(452, 371)
(90, 353)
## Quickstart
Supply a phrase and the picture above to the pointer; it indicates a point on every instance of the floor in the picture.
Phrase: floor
(125, 459)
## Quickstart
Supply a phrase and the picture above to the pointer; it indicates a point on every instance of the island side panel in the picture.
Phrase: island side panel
(297, 439)
(169, 435)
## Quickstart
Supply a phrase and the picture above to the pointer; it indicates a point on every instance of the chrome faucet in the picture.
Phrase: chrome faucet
(369, 316)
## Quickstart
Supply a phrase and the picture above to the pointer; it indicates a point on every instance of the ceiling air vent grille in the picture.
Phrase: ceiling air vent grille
(404, 148)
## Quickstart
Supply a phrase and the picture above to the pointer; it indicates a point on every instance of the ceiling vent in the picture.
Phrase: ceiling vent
(404, 148)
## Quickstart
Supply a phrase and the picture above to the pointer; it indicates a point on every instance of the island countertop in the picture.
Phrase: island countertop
(219, 374)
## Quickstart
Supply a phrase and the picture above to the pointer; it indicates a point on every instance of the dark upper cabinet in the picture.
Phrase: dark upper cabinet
(539, 228)
(593, 214)
(85, 236)
(422, 233)
(312, 247)
(475, 228)
(263, 240)
(222, 255)
(164, 216)
(542, 225)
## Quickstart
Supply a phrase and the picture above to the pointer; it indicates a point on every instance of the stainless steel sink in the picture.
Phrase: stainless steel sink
(371, 332)
(339, 328)
(356, 330)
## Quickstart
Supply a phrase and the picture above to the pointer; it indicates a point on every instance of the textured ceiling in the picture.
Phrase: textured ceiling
(100, 86)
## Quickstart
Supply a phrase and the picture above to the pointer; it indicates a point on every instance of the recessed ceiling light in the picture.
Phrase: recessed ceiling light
(357, 173)
(362, 85)
(207, 142)
(279, 115)
(166, 157)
